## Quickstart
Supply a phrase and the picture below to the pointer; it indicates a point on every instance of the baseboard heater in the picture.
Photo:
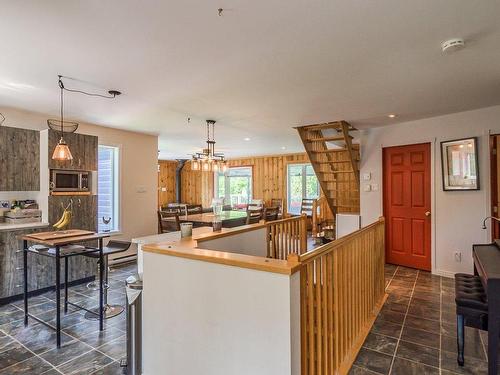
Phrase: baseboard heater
(122, 260)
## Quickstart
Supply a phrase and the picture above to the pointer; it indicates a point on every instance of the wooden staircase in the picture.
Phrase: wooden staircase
(335, 160)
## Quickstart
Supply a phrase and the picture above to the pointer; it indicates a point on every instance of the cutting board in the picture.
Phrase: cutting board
(60, 234)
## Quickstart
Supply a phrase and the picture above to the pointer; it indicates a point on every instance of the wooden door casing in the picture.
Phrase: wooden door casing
(407, 205)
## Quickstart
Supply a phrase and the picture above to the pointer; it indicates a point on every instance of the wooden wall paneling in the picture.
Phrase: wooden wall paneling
(166, 180)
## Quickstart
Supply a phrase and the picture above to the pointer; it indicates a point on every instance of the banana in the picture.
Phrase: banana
(61, 219)
(66, 218)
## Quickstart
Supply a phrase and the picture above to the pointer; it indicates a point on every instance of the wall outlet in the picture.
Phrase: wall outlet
(367, 176)
(458, 256)
(367, 187)
(374, 187)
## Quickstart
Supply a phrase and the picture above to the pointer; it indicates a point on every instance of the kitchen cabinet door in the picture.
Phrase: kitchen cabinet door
(19, 159)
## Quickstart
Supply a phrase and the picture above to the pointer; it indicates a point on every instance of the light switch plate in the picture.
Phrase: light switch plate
(163, 189)
(374, 187)
(367, 176)
(367, 187)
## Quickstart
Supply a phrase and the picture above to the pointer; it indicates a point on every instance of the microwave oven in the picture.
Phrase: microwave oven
(67, 180)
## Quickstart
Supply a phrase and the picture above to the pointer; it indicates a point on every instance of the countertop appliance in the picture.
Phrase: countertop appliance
(71, 181)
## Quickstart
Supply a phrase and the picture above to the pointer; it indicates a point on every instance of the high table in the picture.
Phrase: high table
(229, 218)
(56, 240)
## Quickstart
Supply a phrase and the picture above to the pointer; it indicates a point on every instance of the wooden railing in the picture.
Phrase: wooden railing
(342, 290)
(286, 236)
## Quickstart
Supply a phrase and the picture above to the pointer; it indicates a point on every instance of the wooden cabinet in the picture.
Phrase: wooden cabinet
(83, 147)
(19, 159)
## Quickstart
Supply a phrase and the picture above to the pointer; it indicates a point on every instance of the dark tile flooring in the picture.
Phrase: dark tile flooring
(415, 333)
(84, 350)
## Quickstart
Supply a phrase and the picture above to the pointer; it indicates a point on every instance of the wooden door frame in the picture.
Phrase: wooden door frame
(432, 142)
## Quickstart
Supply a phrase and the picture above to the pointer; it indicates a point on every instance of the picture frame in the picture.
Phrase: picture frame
(460, 164)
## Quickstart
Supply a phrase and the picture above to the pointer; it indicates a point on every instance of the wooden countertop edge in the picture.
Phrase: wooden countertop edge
(229, 231)
(229, 259)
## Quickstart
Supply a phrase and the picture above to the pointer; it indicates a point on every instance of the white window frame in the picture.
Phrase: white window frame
(116, 219)
(304, 184)
(227, 192)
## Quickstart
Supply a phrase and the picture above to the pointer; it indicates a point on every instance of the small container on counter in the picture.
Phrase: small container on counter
(186, 230)
(217, 224)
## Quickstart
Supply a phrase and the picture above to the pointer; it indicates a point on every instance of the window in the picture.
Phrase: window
(301, 183)
(235, 186)
(107, 189)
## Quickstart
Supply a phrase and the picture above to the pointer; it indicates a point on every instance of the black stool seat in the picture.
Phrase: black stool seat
(472, 308)
(113, 247)
(469, 292)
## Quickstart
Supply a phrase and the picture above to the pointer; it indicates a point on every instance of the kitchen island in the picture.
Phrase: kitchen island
(215, 304)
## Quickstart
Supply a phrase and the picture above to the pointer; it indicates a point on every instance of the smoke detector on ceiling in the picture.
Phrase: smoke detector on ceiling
(452, 45)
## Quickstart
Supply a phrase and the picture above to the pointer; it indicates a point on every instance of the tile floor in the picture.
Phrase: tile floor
(85, 350)
(415, 332)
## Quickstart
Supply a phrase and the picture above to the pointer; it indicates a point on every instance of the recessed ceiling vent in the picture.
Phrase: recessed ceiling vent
(452, 45)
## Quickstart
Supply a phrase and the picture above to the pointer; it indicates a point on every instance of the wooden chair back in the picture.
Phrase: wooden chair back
(278, 202)
(168, 221)
(194, 209)
(307, 206)
(271, 213)
(254, 215)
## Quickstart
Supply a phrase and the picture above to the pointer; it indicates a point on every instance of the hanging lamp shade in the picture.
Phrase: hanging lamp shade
(62, 152)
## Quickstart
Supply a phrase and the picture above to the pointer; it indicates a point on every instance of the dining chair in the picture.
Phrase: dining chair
(194, 209)
(278, 202)
(306, 206)
(271, 213)
(254, 215)
(168, 221)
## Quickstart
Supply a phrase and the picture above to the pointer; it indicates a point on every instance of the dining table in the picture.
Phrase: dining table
(230, 219)
(63, 245)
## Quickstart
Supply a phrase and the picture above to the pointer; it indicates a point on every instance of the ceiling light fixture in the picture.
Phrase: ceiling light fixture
(283, 147)
(208, 160)
(392, 115)
(246, 139)
(62, 151)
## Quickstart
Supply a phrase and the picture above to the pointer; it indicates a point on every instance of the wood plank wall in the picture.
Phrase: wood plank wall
(269, 179)
(166, 180)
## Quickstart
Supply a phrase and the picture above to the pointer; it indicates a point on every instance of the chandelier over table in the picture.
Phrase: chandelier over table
(208, 160)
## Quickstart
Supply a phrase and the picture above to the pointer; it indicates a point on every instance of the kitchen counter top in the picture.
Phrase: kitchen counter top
(5, 227)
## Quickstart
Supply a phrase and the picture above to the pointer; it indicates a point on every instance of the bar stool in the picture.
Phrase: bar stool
(472, 308)
(113, 247)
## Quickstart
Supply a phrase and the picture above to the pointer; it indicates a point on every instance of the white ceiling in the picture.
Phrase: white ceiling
(260, 69)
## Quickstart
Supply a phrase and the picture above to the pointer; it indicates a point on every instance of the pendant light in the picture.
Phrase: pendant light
(208, 160)
(62, 151)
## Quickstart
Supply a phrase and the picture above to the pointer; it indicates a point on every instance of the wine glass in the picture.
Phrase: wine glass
(106, 220)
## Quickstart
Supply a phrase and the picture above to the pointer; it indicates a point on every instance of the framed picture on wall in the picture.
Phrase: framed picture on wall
(460, 164)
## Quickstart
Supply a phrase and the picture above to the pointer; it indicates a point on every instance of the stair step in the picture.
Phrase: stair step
(328, 139)
(330, 151)
(329, 125)
(335, 172)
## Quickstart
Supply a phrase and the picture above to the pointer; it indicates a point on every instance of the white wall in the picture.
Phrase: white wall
(138, 169)
(249, 243)
(456, 216)
(212, 319)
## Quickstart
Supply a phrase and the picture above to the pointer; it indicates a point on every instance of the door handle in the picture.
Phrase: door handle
(428, 213)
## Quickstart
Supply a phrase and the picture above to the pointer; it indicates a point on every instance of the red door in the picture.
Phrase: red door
(407, 205)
